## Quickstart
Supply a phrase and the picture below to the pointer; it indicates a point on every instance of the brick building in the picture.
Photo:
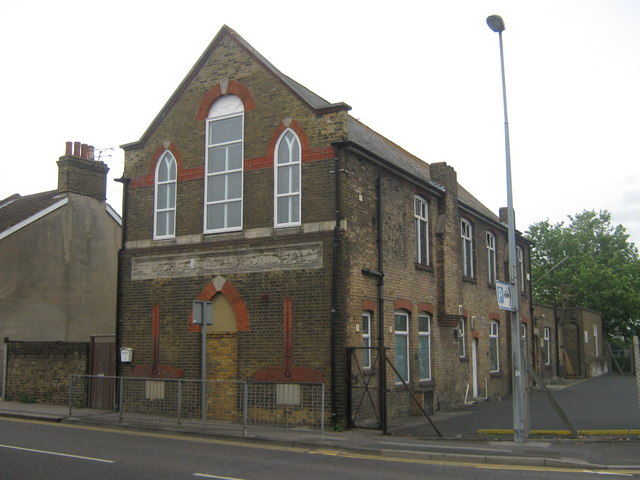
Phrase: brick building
(310, 233)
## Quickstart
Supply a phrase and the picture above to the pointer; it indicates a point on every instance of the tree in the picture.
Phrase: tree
(588, 263)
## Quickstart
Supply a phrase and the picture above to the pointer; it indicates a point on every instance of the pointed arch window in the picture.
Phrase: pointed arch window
(224, 166)
(287, 176)
(165, 197)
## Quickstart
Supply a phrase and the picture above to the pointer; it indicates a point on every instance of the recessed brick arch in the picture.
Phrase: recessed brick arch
(426, 307)
(403, 304)
(226, 288)
(232, 88)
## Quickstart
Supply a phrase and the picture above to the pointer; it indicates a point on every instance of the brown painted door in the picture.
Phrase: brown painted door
(103, 363)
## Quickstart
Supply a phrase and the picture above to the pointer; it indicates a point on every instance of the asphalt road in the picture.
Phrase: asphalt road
(41, 450)
(608, 402)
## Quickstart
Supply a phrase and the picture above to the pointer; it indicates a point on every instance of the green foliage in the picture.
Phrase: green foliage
(588, 263)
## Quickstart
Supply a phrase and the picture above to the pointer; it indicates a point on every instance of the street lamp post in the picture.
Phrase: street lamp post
(519, 372)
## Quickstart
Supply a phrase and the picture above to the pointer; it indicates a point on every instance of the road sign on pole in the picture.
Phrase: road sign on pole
(504, 295)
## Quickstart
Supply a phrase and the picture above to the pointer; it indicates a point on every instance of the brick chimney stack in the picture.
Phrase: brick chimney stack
(78, 172)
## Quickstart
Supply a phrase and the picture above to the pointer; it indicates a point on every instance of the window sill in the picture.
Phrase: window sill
(427, 384)
(464, 359)
(495, 374)
(424, 268)
(469, 279)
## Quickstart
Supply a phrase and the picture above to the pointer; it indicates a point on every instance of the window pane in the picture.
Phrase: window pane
(284, 175)
(424, 358)
(400, 322)
(163, 170)
(217, 160)
(226, 130)
(295, 208)
(161, 224)
(162, 196)
(295, 150)
(171, 195)
(295, 180)
(234, 214)
(215, 216)
(235, 156)
(365, 325)
(234, 185)
(283, 152)
(423, 324)
(493, 353)
(171, 224)
(283, 210)
(216, 188)
(402, 364)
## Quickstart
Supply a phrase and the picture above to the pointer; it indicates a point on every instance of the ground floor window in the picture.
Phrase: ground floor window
(366, 339)
(546, 345)
(494, 358)
(401, 321)
(424, 346)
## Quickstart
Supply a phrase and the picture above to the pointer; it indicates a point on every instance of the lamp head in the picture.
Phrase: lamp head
(496, 23)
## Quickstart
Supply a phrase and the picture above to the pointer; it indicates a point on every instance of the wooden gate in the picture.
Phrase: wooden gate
(364, 387)
(102, 362)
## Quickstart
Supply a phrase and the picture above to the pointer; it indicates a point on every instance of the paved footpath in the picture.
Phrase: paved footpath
(583, 455)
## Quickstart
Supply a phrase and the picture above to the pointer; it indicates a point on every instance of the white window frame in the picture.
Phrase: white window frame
(424, 335)
(421, 214)
(520, 257)
(494, 338)
(595, 341)
(171, 186)
(547, 345)
(398, 333)
(290, 193)
(492, 270)
(466, 232)
(225, 108)
(461, 336)
(366, 339)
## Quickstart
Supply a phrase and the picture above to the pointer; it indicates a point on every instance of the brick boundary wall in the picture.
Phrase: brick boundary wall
(40, 371)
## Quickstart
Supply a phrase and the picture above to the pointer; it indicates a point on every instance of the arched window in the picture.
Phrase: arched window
(224, 166)
(165, 197)
(287, 180)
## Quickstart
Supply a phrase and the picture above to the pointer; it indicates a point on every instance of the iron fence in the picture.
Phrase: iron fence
(239, 403)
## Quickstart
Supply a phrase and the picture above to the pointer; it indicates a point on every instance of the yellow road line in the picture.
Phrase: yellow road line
(336, 453)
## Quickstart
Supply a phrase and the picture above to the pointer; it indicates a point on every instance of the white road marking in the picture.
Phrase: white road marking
(204, 475)
(79, 457)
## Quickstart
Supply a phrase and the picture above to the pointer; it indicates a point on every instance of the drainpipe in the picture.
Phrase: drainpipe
(334, 284)
(383, 352)
(125, 207)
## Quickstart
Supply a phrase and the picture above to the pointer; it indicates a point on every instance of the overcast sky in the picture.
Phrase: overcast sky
(425, 74)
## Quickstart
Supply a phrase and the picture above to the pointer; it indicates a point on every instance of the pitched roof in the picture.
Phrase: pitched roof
(357, 132)
(17, 208)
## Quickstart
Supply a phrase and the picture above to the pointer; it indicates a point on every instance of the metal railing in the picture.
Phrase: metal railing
(238, 403)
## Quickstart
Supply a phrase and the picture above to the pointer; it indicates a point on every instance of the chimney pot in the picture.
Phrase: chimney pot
(76, 149)
(84, 151)
(68, 148)
(91, 152)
